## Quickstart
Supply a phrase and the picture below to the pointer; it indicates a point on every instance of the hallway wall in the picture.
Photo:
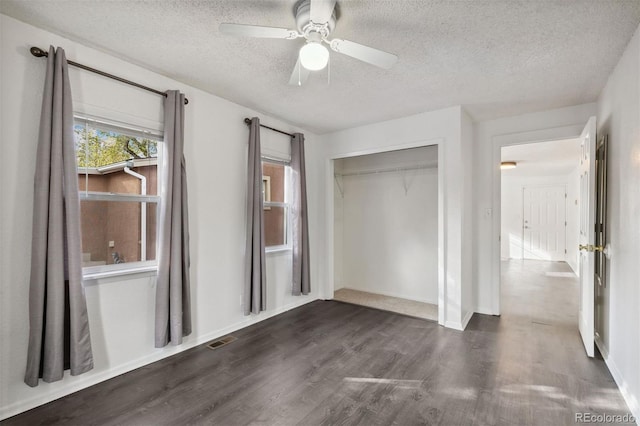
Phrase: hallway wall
(619, 117)
(573, 219)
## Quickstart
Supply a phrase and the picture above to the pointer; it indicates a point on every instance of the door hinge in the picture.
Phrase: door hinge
(565, 251)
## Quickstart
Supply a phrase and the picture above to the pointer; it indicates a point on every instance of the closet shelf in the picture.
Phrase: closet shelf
(389, 170)
(405, 183)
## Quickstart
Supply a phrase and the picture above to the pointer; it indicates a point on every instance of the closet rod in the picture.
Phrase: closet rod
(248, 121)
(39, 53)
(396, 169)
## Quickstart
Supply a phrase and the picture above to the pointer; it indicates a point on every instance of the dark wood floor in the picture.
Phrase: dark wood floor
(334, 363)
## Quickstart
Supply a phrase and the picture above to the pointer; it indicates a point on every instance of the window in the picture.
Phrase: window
(275, 177)
(118, 182)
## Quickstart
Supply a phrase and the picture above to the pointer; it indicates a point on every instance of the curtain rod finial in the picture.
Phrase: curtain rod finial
(247, 121)
(37, 52)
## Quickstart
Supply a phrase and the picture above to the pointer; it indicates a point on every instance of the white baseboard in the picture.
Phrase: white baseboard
(460, 325)
(466, 319)
(601, 347)
(629, 398)
(574, 268)
(454, 325)
(188, 343)
(484, 310)
(392, 294)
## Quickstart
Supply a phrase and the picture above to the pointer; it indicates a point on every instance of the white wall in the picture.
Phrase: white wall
(121, 310)
(573, 219)
(557, 124)
(467, 152)
(338, 227)
(389, 232)
(619, 117)
(441, 127)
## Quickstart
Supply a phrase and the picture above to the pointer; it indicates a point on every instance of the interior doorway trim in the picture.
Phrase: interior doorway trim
(509, 139)
(329, 215)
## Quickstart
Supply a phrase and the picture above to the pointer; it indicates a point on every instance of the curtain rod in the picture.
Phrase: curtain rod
(248, 121)
(39, 53)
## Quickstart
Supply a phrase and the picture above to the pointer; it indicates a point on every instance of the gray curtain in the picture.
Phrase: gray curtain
(173, 299)
(299, 225)
(59, 336)
(255, 277)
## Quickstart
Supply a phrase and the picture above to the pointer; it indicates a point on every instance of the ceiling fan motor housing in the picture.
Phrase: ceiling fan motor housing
(304, 24)
(315, 21)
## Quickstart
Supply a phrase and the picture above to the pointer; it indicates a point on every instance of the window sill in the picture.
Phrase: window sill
(95, 275)
(277, 249)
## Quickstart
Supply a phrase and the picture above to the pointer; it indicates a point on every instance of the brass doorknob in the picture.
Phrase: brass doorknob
(591, 247)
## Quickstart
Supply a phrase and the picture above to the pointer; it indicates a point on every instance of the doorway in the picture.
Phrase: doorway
(589, 250)
(386, 231)
(601, 291)
(540, 200)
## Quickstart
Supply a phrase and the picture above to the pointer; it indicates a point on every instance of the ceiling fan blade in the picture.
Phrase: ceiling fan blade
(257, 31)
(364, 53)
(321, 10)
(299, 74)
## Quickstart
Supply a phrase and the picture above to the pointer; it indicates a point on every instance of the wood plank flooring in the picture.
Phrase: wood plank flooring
(333, 363)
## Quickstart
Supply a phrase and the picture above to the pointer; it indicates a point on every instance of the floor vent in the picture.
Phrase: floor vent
(221, 342)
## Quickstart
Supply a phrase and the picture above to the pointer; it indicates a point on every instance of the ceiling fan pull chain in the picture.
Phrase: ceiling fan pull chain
(299, 66)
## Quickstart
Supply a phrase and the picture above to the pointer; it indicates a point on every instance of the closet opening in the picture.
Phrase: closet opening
(385, 233)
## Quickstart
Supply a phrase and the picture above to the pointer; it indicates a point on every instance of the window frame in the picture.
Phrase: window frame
(139, 266)
(286, 204)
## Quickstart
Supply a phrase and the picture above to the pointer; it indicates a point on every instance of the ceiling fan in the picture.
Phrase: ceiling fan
(315, 20)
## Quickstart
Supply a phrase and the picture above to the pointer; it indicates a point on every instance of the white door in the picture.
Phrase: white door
(587, 233)
(544, 222)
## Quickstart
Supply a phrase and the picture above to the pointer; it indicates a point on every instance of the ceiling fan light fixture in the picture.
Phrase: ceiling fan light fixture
(314, 56)
(506, 165)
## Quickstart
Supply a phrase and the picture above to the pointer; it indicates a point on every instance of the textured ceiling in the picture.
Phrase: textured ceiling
(496, 58)
(556, 158)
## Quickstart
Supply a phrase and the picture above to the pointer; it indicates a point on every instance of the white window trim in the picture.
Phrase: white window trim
(119, 269)
(286, 205)
(130, 268)
(278, 249)
(118, 126)
(110, 196)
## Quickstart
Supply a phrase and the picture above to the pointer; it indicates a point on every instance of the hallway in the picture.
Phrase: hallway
(334, 363)
(541, 292)
(541, 346)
